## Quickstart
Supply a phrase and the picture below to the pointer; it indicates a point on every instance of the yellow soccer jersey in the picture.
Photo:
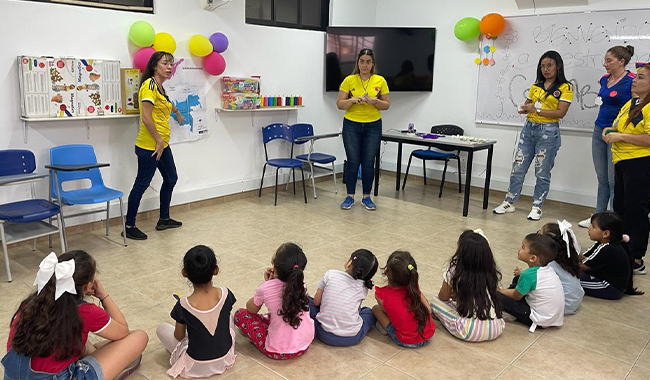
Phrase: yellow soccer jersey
(551, 102)
(162, 108)
(638, 126)
(364, 113)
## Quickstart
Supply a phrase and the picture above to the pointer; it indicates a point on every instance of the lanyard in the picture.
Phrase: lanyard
(365, 88)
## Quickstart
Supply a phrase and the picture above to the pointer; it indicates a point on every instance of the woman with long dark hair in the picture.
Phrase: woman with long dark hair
(362, 95)
(547, 102)
(630, 139)
(152, 144)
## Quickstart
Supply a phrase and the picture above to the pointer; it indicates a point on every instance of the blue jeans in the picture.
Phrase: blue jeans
(361, 142)
(601, 153)
(147, 166)
(335, 340)
(390, 330)
(18, 367)
(539, 141)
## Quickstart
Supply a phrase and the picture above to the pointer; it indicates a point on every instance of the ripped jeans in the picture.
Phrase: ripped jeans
(538, 141)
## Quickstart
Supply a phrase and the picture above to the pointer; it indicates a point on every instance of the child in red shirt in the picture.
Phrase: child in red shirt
(402, 310)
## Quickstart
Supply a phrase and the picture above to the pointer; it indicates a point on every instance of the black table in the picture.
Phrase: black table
(443, 142)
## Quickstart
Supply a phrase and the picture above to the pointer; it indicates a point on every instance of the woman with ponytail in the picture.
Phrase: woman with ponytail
(336, 308)
(402, 310)
(630, 139)
(287, 331)
(48, 336)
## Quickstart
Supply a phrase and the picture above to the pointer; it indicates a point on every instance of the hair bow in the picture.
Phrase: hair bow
(565, 231)
(480, 232)
(63, 272)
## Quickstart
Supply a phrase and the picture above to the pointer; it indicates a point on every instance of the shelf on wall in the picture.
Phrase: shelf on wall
(87, 119)
(263, 109)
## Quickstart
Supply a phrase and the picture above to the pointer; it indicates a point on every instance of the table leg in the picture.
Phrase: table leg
(377, 173)
(398, 172)
(468, 180)
(488, 174)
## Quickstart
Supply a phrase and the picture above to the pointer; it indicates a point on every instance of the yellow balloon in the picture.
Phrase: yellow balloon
(164, 42)
(200, 45)
(477, 61)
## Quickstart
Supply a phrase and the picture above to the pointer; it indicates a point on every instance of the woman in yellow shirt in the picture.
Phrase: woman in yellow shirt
(362, 95)
(630, 139)
(152, 144)
(547, 102)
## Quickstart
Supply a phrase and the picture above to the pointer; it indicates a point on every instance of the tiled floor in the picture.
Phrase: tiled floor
(605, 340)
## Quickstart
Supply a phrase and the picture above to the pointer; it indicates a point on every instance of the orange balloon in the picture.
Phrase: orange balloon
(492, 24)
(486, 61)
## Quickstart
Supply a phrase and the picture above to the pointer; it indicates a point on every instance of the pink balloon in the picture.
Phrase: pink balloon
(141, 57)
(214, 64)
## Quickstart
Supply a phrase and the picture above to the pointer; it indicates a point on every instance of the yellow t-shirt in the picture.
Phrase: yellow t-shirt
(162, 108)
(639, 125)
(374, 86)
(536, 94)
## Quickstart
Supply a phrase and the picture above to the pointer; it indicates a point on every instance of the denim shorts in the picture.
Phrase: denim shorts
(18, 367)
(390, 330)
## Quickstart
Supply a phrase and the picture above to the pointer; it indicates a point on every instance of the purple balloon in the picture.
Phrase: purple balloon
(219, 42)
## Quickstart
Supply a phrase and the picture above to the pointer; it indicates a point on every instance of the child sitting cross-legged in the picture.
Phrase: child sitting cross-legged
(536, 296)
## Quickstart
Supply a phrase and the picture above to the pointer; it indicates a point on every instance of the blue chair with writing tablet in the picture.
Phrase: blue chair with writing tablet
(438, 155)
(282, 132)
(303, 133)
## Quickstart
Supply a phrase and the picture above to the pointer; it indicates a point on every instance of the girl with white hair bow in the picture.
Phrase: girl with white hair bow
(48, 337)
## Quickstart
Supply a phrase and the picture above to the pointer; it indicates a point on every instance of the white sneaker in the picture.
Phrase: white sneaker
(585, 223)
(508, 317)
(504, 207)
(535, 213)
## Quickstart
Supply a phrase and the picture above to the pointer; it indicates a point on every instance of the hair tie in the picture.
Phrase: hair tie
(410, 267)
(566, 231)
(296, 266)
(354, 258)
(63, 272)
(480, 232)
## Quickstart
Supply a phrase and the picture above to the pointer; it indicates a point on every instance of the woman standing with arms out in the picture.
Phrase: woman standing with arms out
(615, 91)
(362, 95)
(547, 102)
(630, 139)
(152, 144)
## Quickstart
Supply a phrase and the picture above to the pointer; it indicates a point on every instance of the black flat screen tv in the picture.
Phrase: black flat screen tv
(404, 56)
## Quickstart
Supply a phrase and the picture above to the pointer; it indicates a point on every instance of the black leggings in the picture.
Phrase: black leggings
(520, 309)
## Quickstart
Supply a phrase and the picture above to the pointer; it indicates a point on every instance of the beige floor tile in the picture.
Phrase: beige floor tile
(556, 359)
(514, 373)
(254, 371)
(448, 359)
(639, 373)
(379, 346)
(386, 372)
(323, 362)
(644, 358)
(148, 320)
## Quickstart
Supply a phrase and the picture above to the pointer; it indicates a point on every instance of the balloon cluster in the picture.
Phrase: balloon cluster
(142, 34)
(490, 26)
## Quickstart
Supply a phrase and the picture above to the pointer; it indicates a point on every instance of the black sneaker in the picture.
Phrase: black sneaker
(164, 224)
(639, 268)
(134, 233)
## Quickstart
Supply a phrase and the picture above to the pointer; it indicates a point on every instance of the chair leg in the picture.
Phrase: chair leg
(262, 180)
(336, 188)
(108, 215)
(407, 171)
(293, 171)
(4, 249)
(276, 186)
(460, 185)
(442, 184)
(49, 237)
(424, 171)
(62, 236)
(34, 245)
(123, 222)
(313, 182)
(304, 189)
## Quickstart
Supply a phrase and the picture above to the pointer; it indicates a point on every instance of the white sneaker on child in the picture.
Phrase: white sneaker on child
(585, 223)
(508, 317)
(535, 213)
(381, 329)
(504, 208)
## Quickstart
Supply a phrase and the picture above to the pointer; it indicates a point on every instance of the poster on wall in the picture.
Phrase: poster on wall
(187, 89)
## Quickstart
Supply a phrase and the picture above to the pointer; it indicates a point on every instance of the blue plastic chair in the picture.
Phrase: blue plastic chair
(306, 130)
(429, 154)
(283, 132)
(78, 162)
(23, 220)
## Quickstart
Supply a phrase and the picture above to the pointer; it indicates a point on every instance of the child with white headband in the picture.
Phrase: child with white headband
(48, 337)
(566, 263)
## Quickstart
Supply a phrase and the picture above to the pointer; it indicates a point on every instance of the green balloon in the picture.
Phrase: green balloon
(142, 34)
(467, 29)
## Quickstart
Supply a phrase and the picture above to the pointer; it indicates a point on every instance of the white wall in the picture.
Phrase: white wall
(454, 95)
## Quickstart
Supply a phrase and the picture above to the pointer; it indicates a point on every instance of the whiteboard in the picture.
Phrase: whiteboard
(581, 38)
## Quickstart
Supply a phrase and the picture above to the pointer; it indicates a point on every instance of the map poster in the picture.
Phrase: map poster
(187, 89)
